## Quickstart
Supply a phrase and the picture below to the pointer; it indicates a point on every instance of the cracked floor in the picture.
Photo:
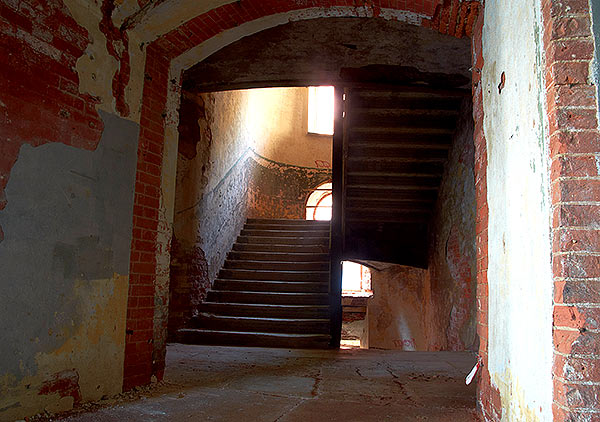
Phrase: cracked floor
(205, 383)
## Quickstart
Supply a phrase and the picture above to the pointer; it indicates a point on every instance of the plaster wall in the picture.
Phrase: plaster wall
(210, 195)
(277, 119)
(65, 264)
(519, 271)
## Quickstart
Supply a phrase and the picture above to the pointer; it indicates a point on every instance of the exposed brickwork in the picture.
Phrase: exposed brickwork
(454, 17)
(142, 273)
(458, 22)
(189, 284)
(488, 397)
(40, 102)
(574, 145)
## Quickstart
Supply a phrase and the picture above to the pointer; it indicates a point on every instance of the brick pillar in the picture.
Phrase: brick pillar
(575, 188)
(142, 273)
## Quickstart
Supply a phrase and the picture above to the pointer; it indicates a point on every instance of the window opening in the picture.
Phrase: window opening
(319, 203)
(356, 278)
(320, 110)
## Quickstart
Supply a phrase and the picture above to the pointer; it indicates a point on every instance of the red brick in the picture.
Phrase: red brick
(577, 369)
(567, 240)
(573, 118)
(574, 166)
(577, 317)
(570, 27)
(572, 96)
(576, 215)
(563, 142)
(575, 396)
(587, 190)
(577, 291)
(568, 7)
(570, 49)
(576, 266)
(568, 73)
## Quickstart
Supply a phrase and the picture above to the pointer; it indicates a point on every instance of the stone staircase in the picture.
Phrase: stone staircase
(272, 290)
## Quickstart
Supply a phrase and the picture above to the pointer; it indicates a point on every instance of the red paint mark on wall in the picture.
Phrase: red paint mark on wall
(64, 383)
(408, 344)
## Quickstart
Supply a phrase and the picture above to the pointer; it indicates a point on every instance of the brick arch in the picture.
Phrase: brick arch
(166, 58)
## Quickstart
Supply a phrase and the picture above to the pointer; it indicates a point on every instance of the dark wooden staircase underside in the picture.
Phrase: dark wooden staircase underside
(272, 290)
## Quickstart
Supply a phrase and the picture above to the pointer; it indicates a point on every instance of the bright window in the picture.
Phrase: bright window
(356, 279)
(320, 110)
(318, 205)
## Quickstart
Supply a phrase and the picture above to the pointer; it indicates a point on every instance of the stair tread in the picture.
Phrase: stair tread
(265, 319)
(254, 333)
(278, 271)
(277, 262)
(270, 281)
(270, 293)
(265, 305)
(290, 221)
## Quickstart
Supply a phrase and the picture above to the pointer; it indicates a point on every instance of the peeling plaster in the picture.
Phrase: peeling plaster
(64, 260)
(96, 68)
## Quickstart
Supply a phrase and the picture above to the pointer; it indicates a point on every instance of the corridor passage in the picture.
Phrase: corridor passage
(208, 383)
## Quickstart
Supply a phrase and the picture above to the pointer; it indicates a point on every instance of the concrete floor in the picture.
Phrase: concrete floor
(279, 385)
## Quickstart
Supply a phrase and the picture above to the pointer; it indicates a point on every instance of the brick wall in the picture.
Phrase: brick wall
(575, 177)
(39, 46)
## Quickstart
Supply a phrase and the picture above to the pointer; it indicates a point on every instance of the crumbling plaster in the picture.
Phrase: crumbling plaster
(65, 261)
(519, 272)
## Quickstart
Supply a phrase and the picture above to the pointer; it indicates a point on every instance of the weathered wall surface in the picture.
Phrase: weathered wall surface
(519, 267)
(450, 311)
(211, 194)
(65, 263)
(279, 190)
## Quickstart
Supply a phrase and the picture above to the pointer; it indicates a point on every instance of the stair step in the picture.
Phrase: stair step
(267, 298)
(287, 222)
(276, 226)
(285, 233)
(279, 256)
(266, 247)
(283, 240)
(267, 325)
(256, 339)
(271, 286)
(274, 275)
(276, 265)
(265, 311)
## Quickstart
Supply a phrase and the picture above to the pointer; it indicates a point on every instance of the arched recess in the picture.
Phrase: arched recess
(166, 59)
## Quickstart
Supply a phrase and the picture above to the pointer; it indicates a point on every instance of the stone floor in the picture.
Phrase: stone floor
(279, 385)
